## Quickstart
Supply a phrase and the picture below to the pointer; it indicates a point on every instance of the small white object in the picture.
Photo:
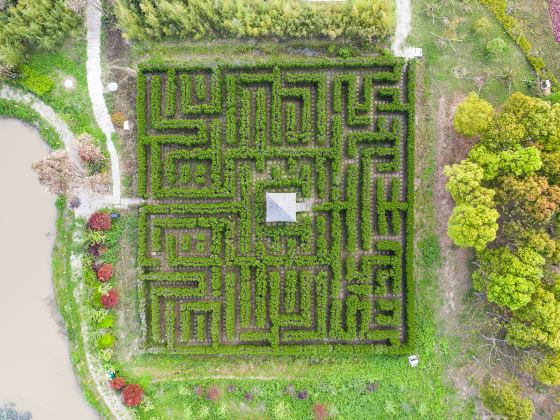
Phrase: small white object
(413, 360)
(126, 125)
(113, 86)
(68, 83)
(417, 52)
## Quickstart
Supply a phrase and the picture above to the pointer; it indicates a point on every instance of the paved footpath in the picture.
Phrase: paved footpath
(95, 87)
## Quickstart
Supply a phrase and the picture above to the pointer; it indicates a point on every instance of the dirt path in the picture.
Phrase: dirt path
(451, 148)
(454, 274)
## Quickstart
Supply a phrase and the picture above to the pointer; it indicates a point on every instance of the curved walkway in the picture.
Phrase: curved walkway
(95, 88)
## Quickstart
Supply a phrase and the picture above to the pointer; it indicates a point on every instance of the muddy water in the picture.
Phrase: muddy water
(35, 369)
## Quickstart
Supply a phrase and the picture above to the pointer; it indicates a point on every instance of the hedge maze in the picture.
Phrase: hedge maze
(212, 141)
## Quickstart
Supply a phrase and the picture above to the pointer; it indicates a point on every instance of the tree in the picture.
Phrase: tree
(104, 272)
(117, 383)
(110, 299)
(464, 184)
(504, 132)
(473, 226)
(100, 221)
(473, 115)
(509, 278)
(531, 200)
(537, 323)
(88, 151)
(540, 119)
(505, 399)
(520, 161)
(132, 395)
(548, 371)
(57, 172)
(30, 24)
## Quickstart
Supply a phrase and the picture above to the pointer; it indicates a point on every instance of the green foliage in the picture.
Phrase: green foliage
(505, 399)
(473, 226)
(201, 19)
(548, 370)
(33, 24)
(495, 48)
(509, 278)
(105, 341)
(37, 83)
(499, 9)
(464, 184)
(537, 323)
(473, 115)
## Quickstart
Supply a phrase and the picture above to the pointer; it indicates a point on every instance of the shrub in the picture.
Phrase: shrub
(213, 393)
(37, 83)
(106, 322)
(100, 221)
(111, 299)
(105, 341)
(132, 395)
(495, 47)
(473, 115)
(88, 151)
(505, 399)
(481, 26)
(118, 119)
(104, 272)
(117, 383)
(320, 412)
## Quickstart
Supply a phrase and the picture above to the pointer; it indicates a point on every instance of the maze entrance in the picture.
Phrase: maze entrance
(212, 142)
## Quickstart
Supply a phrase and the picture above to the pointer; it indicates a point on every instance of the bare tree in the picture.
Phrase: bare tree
(57, 172)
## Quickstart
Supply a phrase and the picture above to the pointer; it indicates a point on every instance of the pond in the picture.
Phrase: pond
(35, 369)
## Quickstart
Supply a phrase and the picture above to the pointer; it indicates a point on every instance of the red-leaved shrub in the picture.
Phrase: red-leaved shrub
(111, 299)
(320, 412)
(104, 272)
(213, 393)
(117, 383)
(100, 221)
(132, 395)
